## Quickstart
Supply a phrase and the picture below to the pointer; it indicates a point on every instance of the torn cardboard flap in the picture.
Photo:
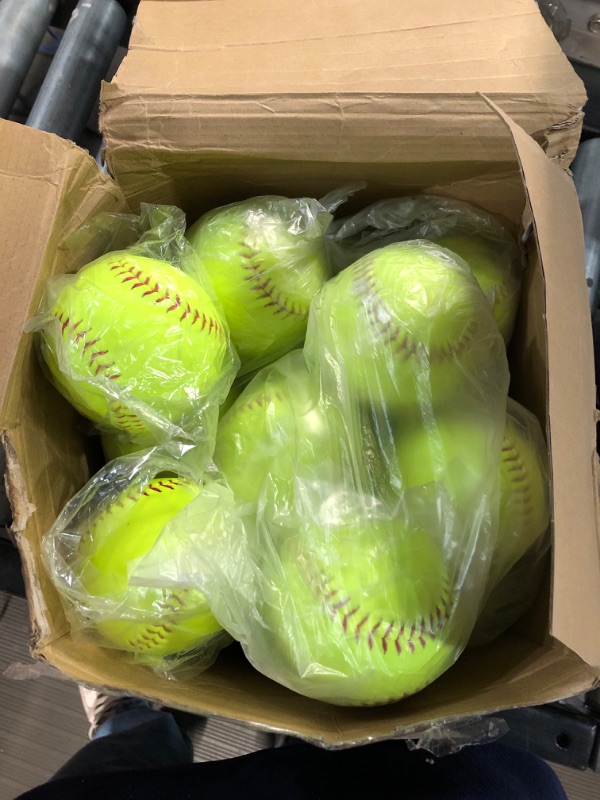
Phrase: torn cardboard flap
(193, 71)
(15, 486)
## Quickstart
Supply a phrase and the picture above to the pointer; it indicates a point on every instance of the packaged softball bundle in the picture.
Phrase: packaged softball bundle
(136, 339)
(469, 232)
(524, 535)
(91, 552)
(371, 492)
(266, 259)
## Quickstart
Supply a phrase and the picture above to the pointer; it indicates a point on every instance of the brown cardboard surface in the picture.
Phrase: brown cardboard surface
(571, 400)
(275, 79)
(508, 674)
(37, 170)
(48, 187)
(269, 47)
(198, 182)
(526, 666)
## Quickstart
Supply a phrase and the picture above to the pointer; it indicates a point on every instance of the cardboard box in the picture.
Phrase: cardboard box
(315, 81)
(172, 143)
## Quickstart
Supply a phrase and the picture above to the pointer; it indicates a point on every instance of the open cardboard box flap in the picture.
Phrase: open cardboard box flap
(235, 75)
(571, 398)
(48, 188)
(58, 187)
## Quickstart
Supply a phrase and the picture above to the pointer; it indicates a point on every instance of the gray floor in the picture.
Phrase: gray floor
(42, 723)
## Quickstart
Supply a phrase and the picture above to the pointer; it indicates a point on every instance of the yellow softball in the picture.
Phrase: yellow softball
(494, 269)
(135, 344)
(454, 458)
(152, 623)
(266, 260)
(406, 325)
(280, 441)
(359, 612)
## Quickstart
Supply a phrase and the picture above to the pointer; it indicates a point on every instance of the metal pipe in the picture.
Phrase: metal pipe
(586, 172)
(22, 27)
(72, 84)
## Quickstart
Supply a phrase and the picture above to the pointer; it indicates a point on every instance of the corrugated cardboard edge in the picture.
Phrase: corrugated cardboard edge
(22, 510)
(576, 575)
(15, 487)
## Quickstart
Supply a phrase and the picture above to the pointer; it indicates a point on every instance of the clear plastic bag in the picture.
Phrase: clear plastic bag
(346, 539)
(523, 540)
(469, 232)
(93, 548)
(136, 340)
(266, 259)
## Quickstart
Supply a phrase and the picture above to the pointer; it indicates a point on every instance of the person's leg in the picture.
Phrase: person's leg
(127, 733)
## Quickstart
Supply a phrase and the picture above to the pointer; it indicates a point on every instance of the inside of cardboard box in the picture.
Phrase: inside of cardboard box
(198, 183)
(57, 446)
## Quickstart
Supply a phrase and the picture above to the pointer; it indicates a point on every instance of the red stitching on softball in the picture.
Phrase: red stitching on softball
(129, 273)
(263, 283)
(418, 631)
(254, 401)
(366, 289)
(385, 635)
(346, 616)
(127, 419)
(133, 498)
(153, 290)
(79, 337)
(165, 483)
(518, 475)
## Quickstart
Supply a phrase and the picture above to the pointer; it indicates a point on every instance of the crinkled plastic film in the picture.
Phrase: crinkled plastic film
(136, 340)
(266, 258)
(93, 548)
(444, 739)
(469, 232)
(357, 520)
(520, 560)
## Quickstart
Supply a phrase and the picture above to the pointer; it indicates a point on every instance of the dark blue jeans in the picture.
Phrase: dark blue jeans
(140, 754)
(134, 737)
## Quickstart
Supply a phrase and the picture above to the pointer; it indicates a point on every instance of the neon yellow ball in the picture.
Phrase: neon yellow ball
(359, 612)
(266, 260)
(452, 458)
(282, 444)
(405, 326)
(152, 623)
(129, 331)
(495, 273)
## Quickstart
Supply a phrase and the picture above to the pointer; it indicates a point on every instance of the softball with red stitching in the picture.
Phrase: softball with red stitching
(494, 270)
(273, 431)
(281, 447)
(150, 622)
(130, 339)
(524, 489)
(266, 260)
(360, 612)
(406, 325)
(454, 457)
